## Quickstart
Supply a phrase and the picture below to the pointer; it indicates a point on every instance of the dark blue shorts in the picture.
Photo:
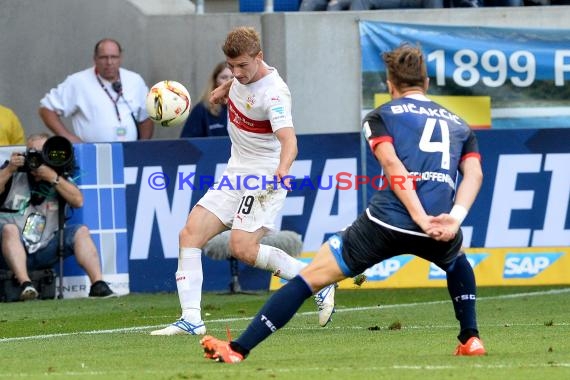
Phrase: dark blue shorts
(47, 257)
(366, 243)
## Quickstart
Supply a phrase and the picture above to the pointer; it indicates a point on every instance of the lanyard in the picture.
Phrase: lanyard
(115, 101)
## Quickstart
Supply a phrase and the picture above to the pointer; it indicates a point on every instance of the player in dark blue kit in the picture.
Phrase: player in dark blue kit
(420, 146)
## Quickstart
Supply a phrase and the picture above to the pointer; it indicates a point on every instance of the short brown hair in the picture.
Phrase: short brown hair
(242, 40)
(405, 66)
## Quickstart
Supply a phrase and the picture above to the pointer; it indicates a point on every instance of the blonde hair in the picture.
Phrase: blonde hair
(242, 40)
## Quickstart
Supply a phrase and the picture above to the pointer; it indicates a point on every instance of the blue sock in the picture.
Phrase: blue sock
(462, 289)
(276, 312)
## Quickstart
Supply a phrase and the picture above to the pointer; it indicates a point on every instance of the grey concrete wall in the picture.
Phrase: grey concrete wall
(41, 42)
(321, 54)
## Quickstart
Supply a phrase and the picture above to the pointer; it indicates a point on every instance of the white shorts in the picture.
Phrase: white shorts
(245, 209)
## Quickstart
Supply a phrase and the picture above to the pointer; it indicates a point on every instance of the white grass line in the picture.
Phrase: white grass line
(225, 320)
(236, 331)
(411, 327)
(479, 299)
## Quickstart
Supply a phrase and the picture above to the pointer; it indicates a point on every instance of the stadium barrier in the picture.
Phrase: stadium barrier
(138, 196)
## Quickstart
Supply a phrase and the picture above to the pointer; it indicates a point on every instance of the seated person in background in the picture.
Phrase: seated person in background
(209, 119)
(29, 223)
(11, 131)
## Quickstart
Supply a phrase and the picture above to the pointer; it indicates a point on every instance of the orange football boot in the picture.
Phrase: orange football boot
(473, 347)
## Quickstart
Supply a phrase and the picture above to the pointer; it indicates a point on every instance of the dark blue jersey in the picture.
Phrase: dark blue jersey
(201, 123)
(430, 141)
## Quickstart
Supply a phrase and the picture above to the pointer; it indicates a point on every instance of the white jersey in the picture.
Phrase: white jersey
(97, 113)
(256, 111)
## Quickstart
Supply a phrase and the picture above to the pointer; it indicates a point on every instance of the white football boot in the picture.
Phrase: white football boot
(325, 303)
(182, 327)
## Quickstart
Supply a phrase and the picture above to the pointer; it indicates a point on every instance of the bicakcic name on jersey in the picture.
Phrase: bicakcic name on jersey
(430, 112)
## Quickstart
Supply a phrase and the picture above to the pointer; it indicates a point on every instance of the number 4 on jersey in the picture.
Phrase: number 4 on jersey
(426, 145)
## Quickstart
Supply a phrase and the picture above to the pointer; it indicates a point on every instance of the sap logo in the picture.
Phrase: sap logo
(386, 268)
(474, 259)
(528, 265)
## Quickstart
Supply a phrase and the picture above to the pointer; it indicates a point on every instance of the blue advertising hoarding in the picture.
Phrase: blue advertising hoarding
(164, 179)
(138, 196)
(524, 72)
(525, 194)
(523, 204)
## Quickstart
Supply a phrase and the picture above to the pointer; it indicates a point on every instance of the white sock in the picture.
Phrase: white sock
(277, 261)
(189, 283)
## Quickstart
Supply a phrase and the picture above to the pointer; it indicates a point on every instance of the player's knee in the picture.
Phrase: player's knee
(243, 250)
(191, 231)
(82, 232)
(10, 230)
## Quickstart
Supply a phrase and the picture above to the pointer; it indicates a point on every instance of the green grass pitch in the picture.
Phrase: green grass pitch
(375, 334)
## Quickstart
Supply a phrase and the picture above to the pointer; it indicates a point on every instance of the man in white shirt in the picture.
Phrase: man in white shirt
(105, 102)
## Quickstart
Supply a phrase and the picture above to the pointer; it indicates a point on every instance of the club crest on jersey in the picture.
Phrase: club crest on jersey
(250, 101)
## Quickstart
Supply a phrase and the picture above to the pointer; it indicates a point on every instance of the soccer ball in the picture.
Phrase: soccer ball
(168, 103)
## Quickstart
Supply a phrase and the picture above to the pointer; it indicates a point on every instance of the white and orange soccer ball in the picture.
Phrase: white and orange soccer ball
(168, 103)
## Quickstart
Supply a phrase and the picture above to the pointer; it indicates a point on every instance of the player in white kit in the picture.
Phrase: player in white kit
(253, 187)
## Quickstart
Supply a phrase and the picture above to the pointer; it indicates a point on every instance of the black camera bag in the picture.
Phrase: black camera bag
(43, 280)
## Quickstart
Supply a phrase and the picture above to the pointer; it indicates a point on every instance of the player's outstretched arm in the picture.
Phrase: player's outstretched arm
(220, 94)
(289, 150)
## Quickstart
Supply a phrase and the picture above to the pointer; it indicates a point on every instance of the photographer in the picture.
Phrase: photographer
(29, 203)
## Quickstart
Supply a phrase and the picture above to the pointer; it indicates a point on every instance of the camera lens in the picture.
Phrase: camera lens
(33, 159)
(58, 154)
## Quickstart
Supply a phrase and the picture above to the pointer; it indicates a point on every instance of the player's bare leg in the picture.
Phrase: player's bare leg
(245, 247)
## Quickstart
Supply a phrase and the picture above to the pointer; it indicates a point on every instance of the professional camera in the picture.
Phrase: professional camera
(57, 153)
